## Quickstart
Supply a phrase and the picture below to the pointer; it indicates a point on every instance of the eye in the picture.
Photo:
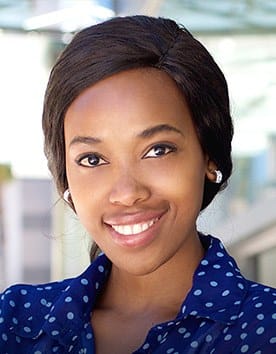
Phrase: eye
(160, 150)
(91, 160)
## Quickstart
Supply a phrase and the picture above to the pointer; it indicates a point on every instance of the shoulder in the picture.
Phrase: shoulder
(30, 295)
(260, 302)
(257, 320)
(23, 307)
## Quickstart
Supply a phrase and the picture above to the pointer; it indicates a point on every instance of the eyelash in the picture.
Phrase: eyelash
(80, 160)
(167, 149)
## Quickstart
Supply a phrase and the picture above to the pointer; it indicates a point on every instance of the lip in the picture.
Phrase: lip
(139, 239)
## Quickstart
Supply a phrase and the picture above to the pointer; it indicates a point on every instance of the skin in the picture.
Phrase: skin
(132, 155)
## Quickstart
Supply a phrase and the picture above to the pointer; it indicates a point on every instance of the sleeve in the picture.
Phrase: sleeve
(259, 336)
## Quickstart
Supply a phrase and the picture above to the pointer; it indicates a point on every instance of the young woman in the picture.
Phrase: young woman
(138, 138)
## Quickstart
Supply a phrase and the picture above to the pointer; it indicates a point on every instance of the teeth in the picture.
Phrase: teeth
(133, 229)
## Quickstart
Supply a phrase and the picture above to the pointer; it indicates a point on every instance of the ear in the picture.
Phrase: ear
(210, 170)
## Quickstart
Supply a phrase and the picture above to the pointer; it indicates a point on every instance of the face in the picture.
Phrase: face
(135, 169)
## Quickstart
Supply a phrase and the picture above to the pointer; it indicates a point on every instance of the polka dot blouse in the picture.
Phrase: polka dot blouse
(223, 313)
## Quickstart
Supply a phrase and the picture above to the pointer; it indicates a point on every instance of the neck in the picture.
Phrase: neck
(162, 290)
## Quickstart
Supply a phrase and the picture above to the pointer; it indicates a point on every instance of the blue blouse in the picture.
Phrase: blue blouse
(223, 313)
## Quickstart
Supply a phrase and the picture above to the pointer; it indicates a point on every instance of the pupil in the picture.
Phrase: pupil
(93, 160)
(160, 150)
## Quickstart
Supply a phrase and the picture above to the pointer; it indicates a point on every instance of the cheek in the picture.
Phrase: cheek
(179, 179)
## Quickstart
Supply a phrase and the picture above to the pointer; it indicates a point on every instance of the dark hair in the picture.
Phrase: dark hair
(124, 43)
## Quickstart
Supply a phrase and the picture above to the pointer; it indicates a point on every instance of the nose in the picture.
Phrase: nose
(127, 190)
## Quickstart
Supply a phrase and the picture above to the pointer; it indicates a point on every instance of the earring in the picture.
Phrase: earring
(218, 176)
(66, 196)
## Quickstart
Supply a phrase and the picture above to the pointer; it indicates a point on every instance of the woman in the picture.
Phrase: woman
(138, 138)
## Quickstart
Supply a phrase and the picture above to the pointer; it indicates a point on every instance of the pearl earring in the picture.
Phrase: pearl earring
(218, 176)
(66, 196)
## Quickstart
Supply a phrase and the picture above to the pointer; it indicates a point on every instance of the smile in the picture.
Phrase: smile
(134, 229)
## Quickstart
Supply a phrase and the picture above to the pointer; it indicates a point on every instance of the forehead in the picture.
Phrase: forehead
(137, 84)
(134, 98)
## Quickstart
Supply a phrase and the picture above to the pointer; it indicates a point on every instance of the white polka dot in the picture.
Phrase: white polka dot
(225, 293)
(194, 344)
(220, 254)
(43, 302)
(101, 268)
(182, 330)
(84, 281)
(243, 336)
(244, 348)
(4, 337)
(27, 329)
(204, 262)
(260, 316)
(258, 305)
(197, 292)
(89, 336)
(23, 291)
(209, 304)
(85, 299)
(55, 333)
(146, 346)
(241, 314)
(68, 299)
(170, 350)
(228, 337)
(208, 338)
(260, 330)
(274, 316)
(213, 283)
(70, 315)
(272, 340)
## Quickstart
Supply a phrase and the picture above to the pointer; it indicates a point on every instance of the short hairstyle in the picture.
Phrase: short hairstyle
(124, 43)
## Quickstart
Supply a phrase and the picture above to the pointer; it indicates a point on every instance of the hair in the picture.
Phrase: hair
(124, 43)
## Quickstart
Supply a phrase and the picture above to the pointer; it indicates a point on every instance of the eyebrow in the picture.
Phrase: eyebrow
(147, 133)
(88, 140)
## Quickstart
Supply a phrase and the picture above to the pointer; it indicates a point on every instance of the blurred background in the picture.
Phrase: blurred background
(40, 239)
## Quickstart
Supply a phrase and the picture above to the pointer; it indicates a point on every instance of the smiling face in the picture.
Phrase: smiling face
(135, 169)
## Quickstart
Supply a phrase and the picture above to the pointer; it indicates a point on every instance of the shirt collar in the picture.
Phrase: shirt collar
(79, 298)
(218, 287)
